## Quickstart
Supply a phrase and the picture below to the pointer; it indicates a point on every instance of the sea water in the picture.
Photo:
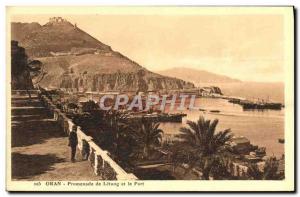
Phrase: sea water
(262, 128)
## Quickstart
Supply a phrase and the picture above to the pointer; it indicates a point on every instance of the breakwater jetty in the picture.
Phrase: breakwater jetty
(252, 105)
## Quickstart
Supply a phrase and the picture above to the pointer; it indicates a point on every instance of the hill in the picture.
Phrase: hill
(20, 30)
(197, 76)
(75, 60)
(58, 35)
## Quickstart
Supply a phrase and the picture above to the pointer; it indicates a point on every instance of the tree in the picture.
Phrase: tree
(254, 172)
(269, 171)
(23, 70)
(221, 167)
(147, 135)
(72, 107)
(37, 71)
(116, 127)
(89, 106)
(204, 145)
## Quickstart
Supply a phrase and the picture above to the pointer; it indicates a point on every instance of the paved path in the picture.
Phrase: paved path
(39, 148)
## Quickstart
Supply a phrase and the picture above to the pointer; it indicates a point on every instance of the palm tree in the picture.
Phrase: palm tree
(116, 123)
(147, 135)
(204, 144)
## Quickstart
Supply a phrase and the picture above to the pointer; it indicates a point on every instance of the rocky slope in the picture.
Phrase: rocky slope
(74, 59)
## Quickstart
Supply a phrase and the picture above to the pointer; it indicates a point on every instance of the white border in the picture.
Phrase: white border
(100, 2)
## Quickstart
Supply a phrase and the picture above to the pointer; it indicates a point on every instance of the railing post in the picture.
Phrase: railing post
(85, 152)
(56, 114)
(96, 166)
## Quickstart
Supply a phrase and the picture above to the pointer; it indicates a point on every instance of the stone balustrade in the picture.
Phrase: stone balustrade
(100, 160)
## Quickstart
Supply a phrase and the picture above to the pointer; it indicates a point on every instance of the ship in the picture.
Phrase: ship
(234, 101)
(215, 111)
(248, 105)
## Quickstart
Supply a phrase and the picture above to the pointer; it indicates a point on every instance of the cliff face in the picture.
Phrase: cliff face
(120, 82)
(74, 59)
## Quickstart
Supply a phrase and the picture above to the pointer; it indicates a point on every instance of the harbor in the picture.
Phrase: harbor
(231, 112)
(270, 129)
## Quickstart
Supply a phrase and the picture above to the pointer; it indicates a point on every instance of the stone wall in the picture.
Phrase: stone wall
(102, 164)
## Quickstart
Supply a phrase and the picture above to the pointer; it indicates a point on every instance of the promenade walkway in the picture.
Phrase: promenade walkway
(39, 147)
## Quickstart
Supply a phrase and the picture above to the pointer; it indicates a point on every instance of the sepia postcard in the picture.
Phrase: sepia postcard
(150, 99)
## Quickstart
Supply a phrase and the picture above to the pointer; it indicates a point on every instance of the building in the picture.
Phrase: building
(210, 91)
(57, 20)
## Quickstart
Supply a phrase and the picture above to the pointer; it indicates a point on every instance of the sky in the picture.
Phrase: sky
(245, 47)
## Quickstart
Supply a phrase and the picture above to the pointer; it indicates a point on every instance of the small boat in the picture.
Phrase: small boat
(281, 140)
(248, 105)
(215, 111)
